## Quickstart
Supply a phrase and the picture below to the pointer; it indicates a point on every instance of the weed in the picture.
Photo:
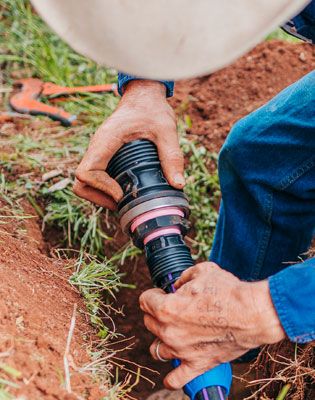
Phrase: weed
(10, 209)
(5, 190)
(10, 371)
(96, 279)
(283, 392)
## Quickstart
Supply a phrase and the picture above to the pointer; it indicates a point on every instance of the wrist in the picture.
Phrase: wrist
(267, 326)
(144, 87)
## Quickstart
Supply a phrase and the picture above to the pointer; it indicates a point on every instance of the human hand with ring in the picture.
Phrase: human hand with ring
(213, 317)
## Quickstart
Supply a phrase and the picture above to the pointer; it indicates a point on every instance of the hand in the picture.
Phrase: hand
(212, 318)
(143, 113)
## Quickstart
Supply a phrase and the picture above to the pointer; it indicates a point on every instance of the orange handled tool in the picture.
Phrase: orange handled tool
(26, 101)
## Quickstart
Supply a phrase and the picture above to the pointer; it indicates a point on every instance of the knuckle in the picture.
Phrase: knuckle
(170, 383)
(197, 366)
(187, 271)
(179, 352)
(170, 124)
(174, 353)
(194, 275)
(201, 267)
(174, 155)
(152, 349)
(164, 312)
(161, 310)
(195, 289)
(80, 174)
(77, 188)
(142, 300)
(147, 321)
(166, 334)
(172, 115)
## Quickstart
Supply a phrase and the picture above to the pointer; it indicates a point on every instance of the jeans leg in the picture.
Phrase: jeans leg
(267, 178)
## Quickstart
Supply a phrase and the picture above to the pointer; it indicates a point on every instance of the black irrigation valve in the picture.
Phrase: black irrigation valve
(152, 212)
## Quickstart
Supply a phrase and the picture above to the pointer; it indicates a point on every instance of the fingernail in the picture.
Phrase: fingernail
(179, 179)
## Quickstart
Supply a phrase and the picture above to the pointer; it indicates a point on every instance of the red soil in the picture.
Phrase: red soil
(215, 102)
(36, 306)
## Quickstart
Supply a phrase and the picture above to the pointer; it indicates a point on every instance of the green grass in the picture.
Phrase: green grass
(8, 377)
(280, 34)
(98, 282)
(203, 191)
(80, 221)
(4, 395)
(284, 391)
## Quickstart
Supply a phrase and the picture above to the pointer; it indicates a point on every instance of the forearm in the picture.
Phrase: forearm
(293, 295)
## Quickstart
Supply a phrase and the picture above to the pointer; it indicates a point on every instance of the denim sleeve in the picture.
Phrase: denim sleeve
(123, 79)
(293, 295)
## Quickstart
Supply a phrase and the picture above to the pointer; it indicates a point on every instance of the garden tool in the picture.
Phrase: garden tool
(155, 215)
(26, 100)
(165, 39)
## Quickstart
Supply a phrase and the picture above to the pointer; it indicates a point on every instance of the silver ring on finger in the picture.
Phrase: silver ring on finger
(157, 352)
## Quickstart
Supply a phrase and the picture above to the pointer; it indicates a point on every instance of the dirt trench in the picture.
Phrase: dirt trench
(37, 305)
(36, 302)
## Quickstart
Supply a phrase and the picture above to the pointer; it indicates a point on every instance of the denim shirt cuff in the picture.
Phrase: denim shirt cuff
(123, 79)
(292, 293)
(278, 299)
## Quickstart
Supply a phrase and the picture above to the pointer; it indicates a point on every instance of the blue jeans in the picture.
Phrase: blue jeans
(267, 212)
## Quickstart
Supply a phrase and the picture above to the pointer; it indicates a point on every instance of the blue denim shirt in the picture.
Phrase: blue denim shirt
(293, 295)
(292, 289)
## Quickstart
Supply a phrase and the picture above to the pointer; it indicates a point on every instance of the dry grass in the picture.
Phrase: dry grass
(284, 371)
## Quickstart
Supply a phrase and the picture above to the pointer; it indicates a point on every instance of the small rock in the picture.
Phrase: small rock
(59, 185)
(20, 323)
(302, 57)
(51, 174)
